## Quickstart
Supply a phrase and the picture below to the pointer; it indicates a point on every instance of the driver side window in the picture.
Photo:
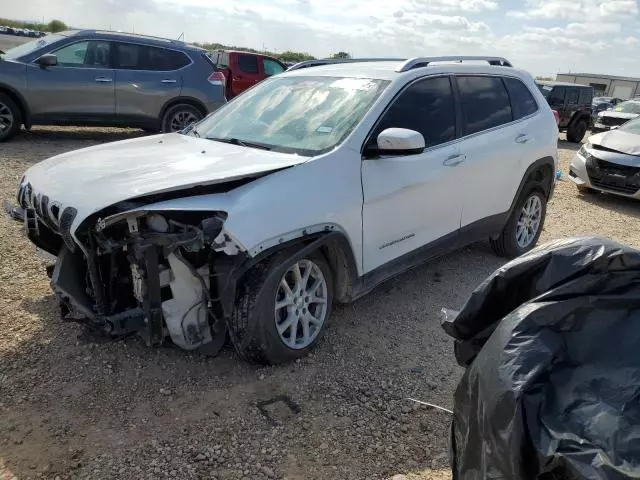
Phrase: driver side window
(426, 106)
(92, 54)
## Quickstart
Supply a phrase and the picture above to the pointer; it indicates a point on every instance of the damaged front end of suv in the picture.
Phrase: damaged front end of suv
(127, 270)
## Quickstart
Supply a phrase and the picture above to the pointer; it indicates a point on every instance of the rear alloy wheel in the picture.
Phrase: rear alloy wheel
(524, 226)
(10, 118)
(179, 117)
(529, 221)
(577, 131)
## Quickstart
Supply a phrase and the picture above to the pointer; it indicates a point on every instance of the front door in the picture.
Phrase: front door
(413, 200)
(245, 74)
(79, 88)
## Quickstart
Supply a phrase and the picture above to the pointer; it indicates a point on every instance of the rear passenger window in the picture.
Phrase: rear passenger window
(586, 96)
(485, 103)
(426, 106)
(572, 96)
(130, 56)
(522, 102)
(556, 97)
(248, 63)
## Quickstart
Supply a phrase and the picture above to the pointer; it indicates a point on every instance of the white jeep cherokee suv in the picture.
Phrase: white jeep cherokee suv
(310, 188)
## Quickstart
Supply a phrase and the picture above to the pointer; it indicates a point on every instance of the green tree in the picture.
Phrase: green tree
(341, 55)
(290, 56)
(56, 26)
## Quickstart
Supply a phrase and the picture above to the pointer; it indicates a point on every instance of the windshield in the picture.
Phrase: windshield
(303, 115)
(27, 48)
(602, 100)
(628, 107)
(632, 126)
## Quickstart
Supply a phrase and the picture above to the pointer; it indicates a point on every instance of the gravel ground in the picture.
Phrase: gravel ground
(72, 406)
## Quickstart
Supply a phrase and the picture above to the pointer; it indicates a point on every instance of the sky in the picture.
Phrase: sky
(543, 36)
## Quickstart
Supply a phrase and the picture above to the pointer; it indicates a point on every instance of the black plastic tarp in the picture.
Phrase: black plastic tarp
(551, 342)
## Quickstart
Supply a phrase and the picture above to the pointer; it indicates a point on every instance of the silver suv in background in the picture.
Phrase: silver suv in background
(105, 78)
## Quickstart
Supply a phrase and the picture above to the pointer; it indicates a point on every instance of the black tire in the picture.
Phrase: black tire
(10, 118)
(180, 116)
(506, 244)
(253, 326)
(577, 131)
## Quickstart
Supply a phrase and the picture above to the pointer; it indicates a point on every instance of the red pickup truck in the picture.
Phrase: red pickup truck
(244, 69)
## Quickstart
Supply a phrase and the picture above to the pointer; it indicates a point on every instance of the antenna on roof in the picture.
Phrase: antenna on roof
(181, 36)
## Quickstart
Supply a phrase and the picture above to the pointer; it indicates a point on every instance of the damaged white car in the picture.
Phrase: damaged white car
(610, 162)
(309, 189)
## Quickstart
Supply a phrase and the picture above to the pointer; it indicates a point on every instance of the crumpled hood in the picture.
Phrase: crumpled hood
(93, 178)
(611, 113)
(618, 140)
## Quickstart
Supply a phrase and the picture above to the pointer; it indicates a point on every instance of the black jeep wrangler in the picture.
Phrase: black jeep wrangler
(573, 104)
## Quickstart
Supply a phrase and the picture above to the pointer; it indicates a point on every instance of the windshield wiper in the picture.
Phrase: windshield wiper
(191, 129)
(237, 141)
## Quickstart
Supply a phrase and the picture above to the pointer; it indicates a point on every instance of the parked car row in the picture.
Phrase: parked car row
(617, 115)
(105, 78)
(199, 236)
(22, 32)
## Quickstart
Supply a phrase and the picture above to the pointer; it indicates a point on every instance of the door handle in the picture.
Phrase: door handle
(523, 138)
(168, 81)
(104, 79)
(454, 160)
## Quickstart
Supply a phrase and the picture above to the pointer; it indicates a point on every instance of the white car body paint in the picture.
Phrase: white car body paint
(96, 177)
(386, 207)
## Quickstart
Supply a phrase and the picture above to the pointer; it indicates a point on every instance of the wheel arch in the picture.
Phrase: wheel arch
(540, 173)
(19, 101)
(333, 245)
(581, 115)
(194, 102)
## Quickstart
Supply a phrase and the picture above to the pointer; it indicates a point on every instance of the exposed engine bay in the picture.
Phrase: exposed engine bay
(158, 274)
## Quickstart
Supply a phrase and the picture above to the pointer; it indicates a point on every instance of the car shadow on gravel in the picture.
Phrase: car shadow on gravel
(614, 203)
(74, 134)
(75, 406)
(574, 147)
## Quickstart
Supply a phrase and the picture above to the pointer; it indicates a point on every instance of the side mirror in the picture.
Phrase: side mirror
(48, 60)
(400, 141)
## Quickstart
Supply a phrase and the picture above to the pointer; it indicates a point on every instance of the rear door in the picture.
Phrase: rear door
(572, 102)
(147, 77)
(271, 67)
(245, 72)
(80, 88)
(556, 101)
(497, 142)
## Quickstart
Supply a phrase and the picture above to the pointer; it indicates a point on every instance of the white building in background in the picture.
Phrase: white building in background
(605, 85)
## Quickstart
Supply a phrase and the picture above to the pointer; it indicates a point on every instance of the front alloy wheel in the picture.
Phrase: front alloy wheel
(301, 304)
(282, 307)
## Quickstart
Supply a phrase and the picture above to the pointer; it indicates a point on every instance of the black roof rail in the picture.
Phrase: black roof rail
(419, 62)
(332, 61)
(129, 34)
